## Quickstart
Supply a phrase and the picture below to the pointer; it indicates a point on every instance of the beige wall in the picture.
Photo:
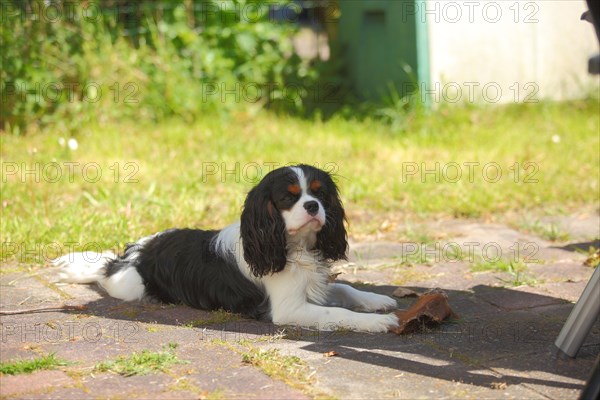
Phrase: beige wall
(505, 51)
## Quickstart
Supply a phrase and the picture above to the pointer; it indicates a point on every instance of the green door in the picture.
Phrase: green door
(378, 38)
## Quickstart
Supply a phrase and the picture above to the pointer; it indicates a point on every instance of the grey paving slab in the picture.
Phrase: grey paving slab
(26, 290)
(513, 299)
(397, 367)
(553, 378)
(584, 226)
(565, 291)
(365, 252)
(500, 347)
(28, 385)
(476, 235)
(568, 271)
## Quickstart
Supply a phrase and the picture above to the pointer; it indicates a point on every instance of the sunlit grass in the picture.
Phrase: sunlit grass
(517, 157)
(16, 367)
(142, 363)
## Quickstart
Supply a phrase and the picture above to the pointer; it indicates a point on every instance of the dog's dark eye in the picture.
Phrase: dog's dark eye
(288, 197)
(315, 186)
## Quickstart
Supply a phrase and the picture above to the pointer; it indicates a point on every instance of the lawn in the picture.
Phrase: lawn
(130, 179)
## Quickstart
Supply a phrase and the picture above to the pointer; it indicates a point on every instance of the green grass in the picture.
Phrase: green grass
(516, 270)
(276, 365)
(152, 175)
(289, 369)
(29, 366)
(499, 265)
(417, 236)
(182, 384)
(417, 254)
(548, 231)
(403, 274)
(142, 363)
(518, 276)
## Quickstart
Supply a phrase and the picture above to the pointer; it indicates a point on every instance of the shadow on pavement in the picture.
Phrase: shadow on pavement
(502, 334)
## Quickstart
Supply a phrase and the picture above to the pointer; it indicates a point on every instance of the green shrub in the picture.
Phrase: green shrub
(70, 63)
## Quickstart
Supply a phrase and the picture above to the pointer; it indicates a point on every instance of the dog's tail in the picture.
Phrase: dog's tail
(121, 281)
(85, 267)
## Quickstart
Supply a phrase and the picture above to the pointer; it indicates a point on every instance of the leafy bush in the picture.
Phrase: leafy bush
(68, 63)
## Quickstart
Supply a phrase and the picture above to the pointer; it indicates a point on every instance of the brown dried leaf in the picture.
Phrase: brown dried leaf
(429, 310)
(331, 353)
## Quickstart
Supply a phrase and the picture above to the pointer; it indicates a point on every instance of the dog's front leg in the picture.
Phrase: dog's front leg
(346, 296)
(331, 318)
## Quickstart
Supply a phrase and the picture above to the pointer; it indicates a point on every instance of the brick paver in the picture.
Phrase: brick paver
(502, 346)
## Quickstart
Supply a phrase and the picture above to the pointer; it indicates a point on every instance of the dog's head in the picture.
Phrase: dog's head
(298, 204)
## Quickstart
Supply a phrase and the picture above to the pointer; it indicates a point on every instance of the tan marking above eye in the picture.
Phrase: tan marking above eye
(315, 185)
(294, 189)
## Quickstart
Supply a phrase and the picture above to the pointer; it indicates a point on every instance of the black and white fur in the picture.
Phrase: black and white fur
(273, 264)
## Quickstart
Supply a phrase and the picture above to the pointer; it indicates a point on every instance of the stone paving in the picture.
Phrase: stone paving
(500, 347)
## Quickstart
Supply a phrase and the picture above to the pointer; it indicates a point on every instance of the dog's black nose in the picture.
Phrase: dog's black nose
(311, 207)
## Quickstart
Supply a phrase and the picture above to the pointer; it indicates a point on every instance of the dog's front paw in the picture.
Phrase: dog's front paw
(379, 323)
(377, 302)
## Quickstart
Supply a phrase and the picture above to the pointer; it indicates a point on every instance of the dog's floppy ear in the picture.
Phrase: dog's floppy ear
(332, 239)
(263, 234)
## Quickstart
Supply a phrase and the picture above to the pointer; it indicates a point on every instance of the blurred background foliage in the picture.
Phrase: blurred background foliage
(77, 61)
(168, 87)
